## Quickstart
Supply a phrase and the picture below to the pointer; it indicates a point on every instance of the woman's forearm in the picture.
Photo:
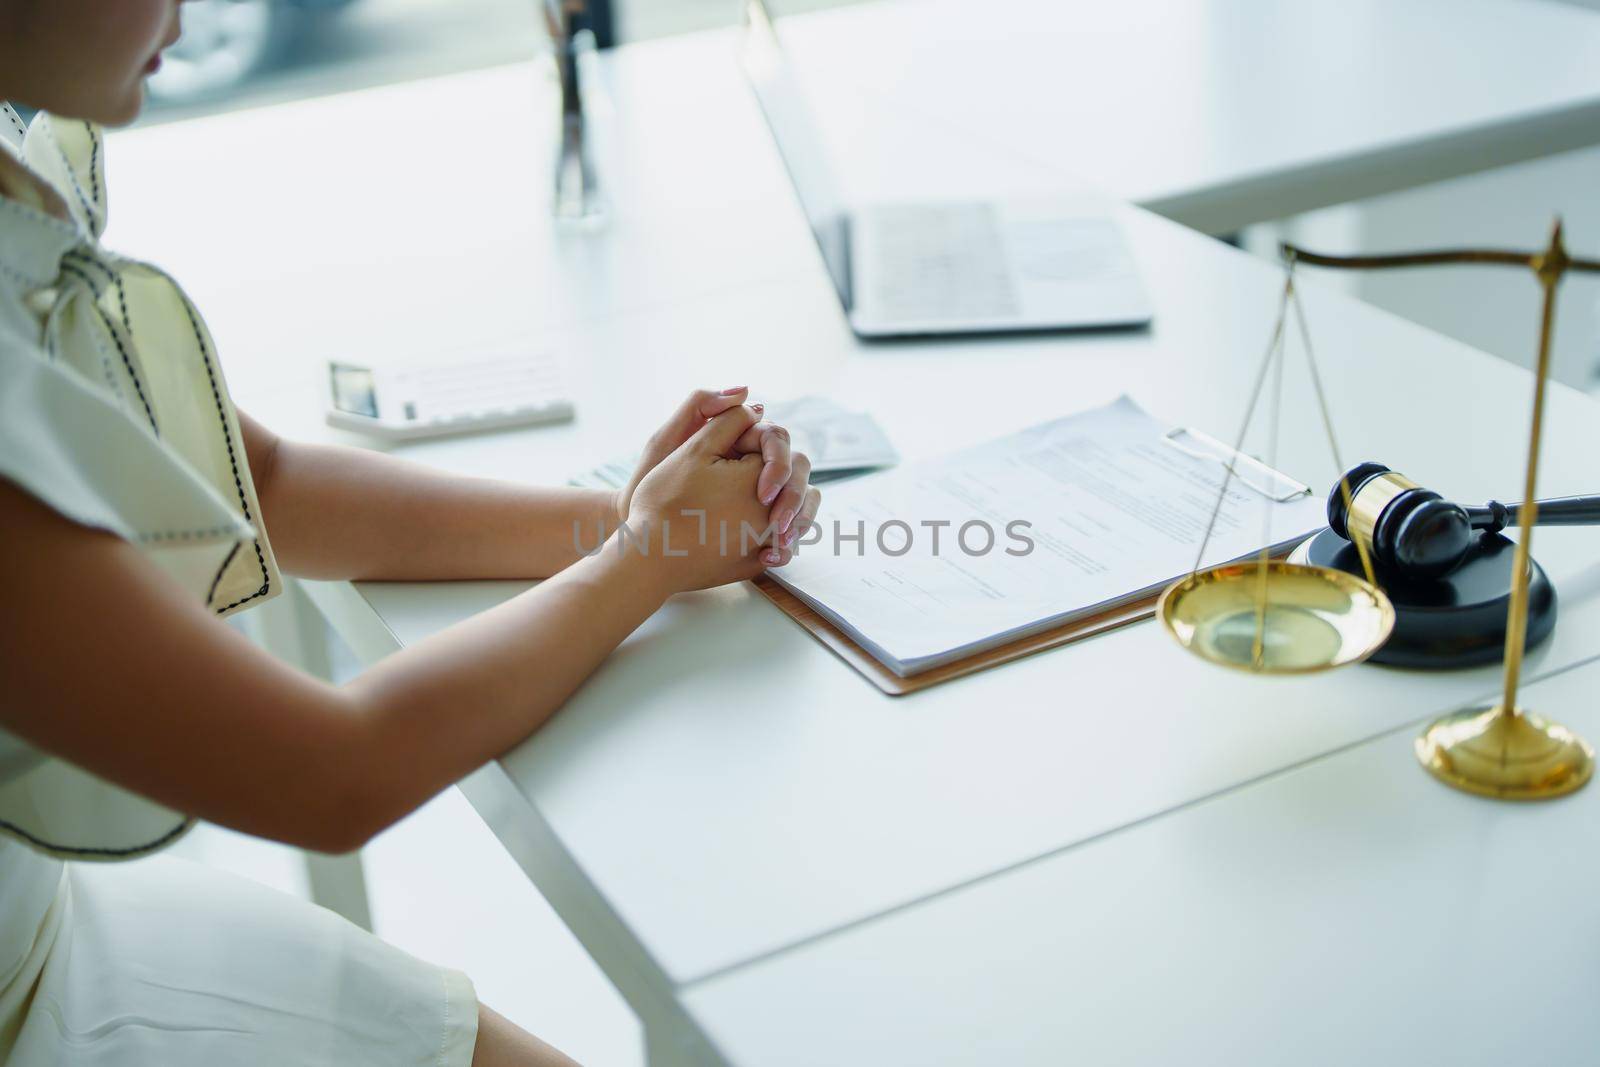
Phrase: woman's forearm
(346, 513)
(193, 715)
(445, 705)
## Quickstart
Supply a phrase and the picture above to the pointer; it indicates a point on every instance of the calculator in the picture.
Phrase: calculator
(431, 400)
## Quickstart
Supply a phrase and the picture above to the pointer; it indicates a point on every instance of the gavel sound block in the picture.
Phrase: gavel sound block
(1446, 568)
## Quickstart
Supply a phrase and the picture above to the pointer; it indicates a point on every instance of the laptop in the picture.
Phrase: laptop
(919, 268)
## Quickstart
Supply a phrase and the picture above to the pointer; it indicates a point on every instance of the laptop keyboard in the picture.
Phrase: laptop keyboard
(1068, 250)
(939, 262)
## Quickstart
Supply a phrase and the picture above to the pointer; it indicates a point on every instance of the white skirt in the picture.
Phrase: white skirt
(165, 962)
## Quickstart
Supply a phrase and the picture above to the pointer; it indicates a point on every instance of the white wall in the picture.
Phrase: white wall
(1495, 309)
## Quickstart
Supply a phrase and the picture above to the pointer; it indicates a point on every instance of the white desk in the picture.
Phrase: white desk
(1350, 911)
(683, 838)
(1222, 113)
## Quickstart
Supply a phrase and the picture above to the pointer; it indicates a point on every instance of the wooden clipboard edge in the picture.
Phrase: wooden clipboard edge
(841, 645)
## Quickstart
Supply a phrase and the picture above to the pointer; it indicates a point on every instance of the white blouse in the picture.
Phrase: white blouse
(114, 412)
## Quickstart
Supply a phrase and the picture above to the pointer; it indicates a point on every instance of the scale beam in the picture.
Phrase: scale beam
(1440, 257)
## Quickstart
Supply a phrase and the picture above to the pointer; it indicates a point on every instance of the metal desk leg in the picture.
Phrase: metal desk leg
(660, 1050)
(339, 883)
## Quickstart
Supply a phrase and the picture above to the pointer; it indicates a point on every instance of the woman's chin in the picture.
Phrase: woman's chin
(123, 110)
(104, 109)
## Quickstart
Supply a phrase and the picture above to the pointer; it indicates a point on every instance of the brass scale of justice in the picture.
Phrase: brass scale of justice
(1271, 616)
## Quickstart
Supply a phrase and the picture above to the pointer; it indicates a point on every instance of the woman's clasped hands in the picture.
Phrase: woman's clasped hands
(718, 496)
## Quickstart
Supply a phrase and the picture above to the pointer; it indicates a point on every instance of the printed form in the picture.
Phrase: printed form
(939, 560)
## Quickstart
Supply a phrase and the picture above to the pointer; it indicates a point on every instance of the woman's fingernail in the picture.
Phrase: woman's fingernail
(770, 557)
(782, 520)
(735, 389)
(788, 538)
(770, 495)
(758, 407)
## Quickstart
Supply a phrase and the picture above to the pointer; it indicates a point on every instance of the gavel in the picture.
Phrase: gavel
(1417, 533)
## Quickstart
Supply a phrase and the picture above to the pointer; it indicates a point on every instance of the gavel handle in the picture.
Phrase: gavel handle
(1557, 511)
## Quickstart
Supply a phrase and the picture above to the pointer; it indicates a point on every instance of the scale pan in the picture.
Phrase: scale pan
(1316, 618)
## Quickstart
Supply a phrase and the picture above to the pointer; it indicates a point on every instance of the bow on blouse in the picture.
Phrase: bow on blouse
(127, 326)
(114, 412)
(78, 323)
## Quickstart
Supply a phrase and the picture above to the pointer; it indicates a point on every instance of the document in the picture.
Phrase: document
(940, 560)
(839, 443)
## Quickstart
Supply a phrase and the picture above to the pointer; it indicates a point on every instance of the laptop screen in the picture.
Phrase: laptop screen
(799, 142)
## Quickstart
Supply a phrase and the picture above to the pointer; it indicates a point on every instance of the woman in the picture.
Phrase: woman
(137, 508)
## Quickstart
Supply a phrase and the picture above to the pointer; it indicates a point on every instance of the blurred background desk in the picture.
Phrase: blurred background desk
(1216, 113)
(1223, 113)
(724, 793)
(1349, 127)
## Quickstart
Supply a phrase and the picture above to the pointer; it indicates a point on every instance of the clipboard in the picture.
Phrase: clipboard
(837, 642)
(1251, 473)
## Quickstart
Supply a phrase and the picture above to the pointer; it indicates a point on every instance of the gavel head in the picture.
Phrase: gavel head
(1410, 531)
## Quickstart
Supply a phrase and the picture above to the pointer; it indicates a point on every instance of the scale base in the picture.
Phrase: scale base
(1506, 756)
(1458, 620)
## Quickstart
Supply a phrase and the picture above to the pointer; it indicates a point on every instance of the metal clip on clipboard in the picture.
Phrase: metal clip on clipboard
(1247, 470)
